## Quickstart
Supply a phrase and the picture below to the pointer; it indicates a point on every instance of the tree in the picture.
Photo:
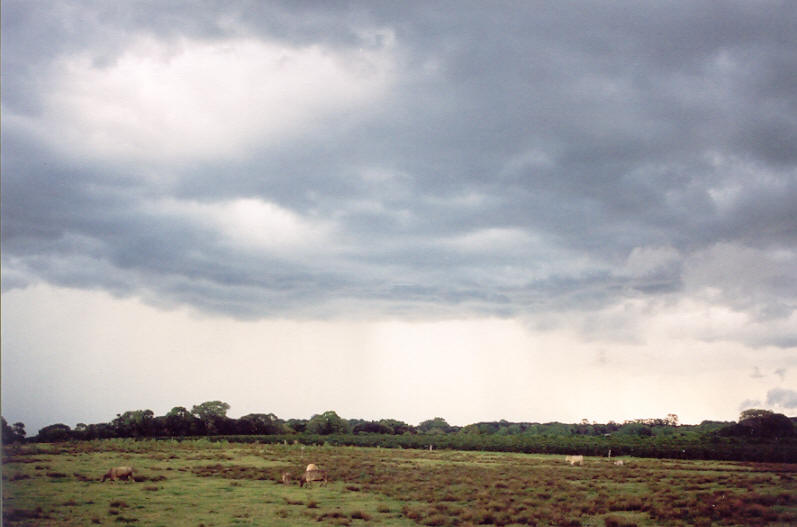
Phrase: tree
(13, 433)
(297, 425)
(760, 423)
(210, 409)
(482, 428)
(776, 425)
(213, 415)
(438, 425)
(56, 432)
(260, 424)
(99, 431)
(80, 431)
(371, 427)
(397, 427)
(133, 423)
(754, 413)
(511, 429)
(327, 423)
(19, 430)
(765, 423)
(180, 422)
(635, 428)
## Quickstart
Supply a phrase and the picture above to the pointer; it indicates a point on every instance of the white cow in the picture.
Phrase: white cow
(313, 475)
(574, 460)
(619, 463)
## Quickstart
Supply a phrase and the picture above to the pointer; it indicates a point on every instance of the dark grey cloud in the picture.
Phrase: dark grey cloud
(519, 158)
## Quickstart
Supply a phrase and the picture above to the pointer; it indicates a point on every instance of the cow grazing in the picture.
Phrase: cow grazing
(574, 460)
(313, 475)
(114, 473)
(619, 463)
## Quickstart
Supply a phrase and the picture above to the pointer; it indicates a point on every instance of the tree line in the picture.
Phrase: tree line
(760, 435)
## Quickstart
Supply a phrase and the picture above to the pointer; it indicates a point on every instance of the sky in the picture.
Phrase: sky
(532, 211)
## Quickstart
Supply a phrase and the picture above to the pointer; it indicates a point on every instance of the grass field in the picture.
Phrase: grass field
(199, 483)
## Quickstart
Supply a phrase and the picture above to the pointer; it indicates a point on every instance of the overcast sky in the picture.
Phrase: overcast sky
(530, 211)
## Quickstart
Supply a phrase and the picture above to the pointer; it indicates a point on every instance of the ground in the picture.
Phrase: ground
(200, 483)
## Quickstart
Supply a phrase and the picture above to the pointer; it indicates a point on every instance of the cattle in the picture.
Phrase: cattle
(619, 463)
(574, 460)
(313, 475)
(286, 478)
(114, 473)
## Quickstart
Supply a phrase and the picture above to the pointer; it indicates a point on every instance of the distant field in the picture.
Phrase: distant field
(199, 483)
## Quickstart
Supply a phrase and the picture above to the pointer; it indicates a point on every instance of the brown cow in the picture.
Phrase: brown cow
(114, 473)
(313, 475)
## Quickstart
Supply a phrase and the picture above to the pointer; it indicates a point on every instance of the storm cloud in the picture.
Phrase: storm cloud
(489, 158)
(583, 165)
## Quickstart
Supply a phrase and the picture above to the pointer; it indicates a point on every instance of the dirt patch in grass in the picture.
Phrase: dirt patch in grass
(359, 515)
(142, 478)
(21, 459)
(618, 521)
(11, 514)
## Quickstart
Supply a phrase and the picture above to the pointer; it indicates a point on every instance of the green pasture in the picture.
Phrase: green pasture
(199, 483)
